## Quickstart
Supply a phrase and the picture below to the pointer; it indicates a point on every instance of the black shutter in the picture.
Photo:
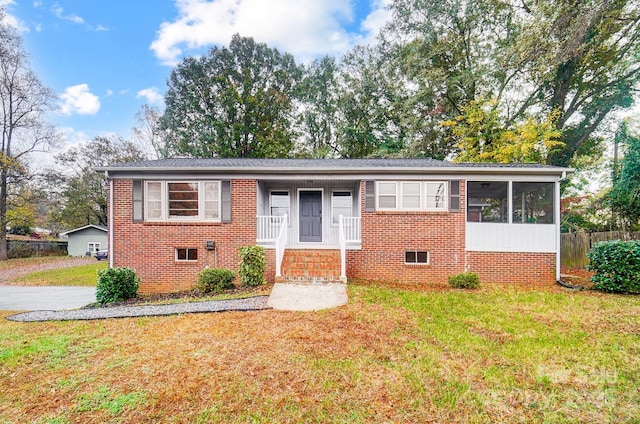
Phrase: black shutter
(226, 201)
(137, 196)
(370, 196)
(454, 196)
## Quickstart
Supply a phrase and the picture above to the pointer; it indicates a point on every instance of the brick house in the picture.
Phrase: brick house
(408, 220)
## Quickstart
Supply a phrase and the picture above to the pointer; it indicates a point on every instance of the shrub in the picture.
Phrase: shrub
(215, 280)
(21, 250)
(253, 262)
(617, 266)
(116, 284)
(464, 280)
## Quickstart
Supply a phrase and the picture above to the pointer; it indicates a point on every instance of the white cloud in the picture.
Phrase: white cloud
(78, 99)
(306, 28)
(58, 11)
(152, 95)
(11, 20)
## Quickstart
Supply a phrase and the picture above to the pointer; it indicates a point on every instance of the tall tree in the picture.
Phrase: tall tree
(574, 60)
(147, 133)
(235, 101)
(624, 196)
(83, 192)
(24, 100)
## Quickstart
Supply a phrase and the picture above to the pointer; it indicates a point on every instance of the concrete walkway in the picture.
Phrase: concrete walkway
(21, 298)
(307, 297)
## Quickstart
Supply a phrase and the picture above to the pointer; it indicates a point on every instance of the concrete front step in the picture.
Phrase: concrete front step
(308, 280)
(307, 297)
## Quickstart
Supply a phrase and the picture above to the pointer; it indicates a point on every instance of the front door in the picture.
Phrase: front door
(311, 216)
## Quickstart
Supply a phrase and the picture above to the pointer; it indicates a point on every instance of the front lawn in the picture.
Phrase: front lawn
(82, 275)
(390, 355)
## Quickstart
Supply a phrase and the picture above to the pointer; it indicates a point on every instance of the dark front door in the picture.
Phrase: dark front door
(311, 216)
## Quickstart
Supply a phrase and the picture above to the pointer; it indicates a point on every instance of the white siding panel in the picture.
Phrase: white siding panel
(497, 237)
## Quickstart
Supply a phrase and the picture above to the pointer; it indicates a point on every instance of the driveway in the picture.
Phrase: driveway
(18, 298)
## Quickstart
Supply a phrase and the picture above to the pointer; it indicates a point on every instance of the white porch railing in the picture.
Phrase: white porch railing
(348, 232)
(269, 228)
(281, 242)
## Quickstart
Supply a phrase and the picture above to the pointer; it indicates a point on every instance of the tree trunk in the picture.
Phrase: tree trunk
(3, 215)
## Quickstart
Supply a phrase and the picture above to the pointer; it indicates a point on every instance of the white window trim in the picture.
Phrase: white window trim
(94, 243)
(288, 195)
(350, 205)
(416, 252)
(187, 249)
(164, 201)
(423, 196)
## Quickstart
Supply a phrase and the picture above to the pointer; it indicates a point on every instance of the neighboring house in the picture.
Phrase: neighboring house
(86, 240)
(407, 220)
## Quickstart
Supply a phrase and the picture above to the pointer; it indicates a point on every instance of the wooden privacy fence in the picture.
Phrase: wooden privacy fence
(575, 246)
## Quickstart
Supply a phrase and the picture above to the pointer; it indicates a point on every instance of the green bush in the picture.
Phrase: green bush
(617, 266)
(215, 280)
(116, 284)
(252, 265)
(464, 280)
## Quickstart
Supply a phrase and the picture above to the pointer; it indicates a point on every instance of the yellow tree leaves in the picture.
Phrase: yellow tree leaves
(481, 135)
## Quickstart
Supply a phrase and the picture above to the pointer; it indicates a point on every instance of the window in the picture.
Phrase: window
(487, 201)
(341, 204)
(182, 200)
(436, 195)
(154, 200)
(279, 203)
(211, 200)
(387, 195)
(533, 203)
(93, 247)
(413, 257)
(412, 195)
(186, 254)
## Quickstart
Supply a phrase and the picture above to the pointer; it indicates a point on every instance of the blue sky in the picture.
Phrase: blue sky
(106, 58)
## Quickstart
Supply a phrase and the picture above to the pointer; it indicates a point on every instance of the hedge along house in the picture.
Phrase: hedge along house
(407, 220)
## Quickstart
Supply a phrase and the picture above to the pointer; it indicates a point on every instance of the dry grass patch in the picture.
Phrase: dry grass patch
(388, 356)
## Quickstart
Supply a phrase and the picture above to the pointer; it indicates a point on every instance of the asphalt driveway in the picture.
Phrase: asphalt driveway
(19, 298)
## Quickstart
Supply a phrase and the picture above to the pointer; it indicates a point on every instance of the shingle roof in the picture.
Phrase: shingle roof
(306, 165)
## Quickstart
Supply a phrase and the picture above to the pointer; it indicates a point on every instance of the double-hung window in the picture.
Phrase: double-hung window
(182, 200)
(411, 195)
(341, 204)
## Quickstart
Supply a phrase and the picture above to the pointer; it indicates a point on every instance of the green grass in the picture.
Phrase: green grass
(83, 275)
(497, 354)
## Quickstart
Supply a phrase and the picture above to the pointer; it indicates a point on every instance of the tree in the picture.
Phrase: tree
(235, 101)
(24, 100)
(83, 193)
(148, 135)
(481, 136)
(576, 59)
(624, 196)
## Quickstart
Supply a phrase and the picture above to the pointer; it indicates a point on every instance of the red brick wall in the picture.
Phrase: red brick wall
(149, 248)
(504, 267)
(387, 235)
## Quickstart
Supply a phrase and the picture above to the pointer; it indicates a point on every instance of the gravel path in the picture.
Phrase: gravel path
(247, 304)
(8, 276)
